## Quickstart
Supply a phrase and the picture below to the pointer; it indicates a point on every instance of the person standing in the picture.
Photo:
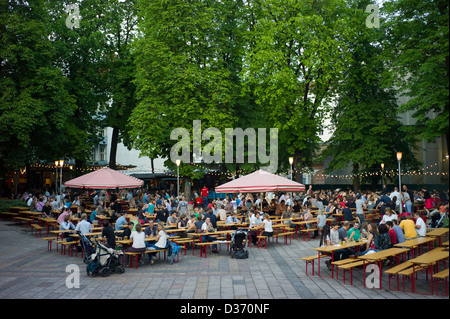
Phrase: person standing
(108, 234)
(205, 196)
(359, 209)
(182, 206)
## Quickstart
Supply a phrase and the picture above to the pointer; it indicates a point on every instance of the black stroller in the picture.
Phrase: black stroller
(238, 240)
(104, 261)
(87, 247)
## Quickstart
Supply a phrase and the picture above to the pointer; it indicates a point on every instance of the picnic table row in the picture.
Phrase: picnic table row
(437, 252)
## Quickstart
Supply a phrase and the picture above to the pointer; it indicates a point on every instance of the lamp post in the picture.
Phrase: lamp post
(291, 161)
(178, 162)
(382, 180)
(56, 177)
(61, 164)
(399, 158)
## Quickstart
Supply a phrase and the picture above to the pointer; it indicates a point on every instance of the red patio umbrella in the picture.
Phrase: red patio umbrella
(260, 181)
(105, 178)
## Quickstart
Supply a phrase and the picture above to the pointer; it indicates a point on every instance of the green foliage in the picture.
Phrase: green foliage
(6, 204)
(417, 55)
(367, 131)
(35, 102)
(187, 62)
(297, 57)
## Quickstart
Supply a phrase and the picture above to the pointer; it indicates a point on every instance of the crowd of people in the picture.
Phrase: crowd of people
(400, 219)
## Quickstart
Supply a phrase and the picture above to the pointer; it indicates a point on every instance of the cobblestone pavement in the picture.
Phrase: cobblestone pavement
(28, 270)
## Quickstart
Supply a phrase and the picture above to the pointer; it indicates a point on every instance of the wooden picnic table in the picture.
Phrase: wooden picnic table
(33, 215)
(19, 208)
(438, 233)
(378, 257)
(427, 261)
(329, 250)
(417, 242)
(48, 221)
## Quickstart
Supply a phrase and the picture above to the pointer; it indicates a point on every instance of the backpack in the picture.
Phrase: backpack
(241, 254)
(172, 250)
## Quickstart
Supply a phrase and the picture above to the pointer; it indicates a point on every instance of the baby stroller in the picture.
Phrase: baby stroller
(237, 249)
(87, 247)
(104, 261)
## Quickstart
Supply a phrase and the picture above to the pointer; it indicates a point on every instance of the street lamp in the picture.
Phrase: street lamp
(291, 161)
(61, 164)
(56, 177)
(382, 169)
(399, 158)
(178, 162)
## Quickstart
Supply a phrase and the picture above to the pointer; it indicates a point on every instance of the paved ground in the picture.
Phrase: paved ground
(28, 270)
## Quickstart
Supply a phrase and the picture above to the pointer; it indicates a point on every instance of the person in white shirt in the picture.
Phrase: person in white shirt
(207, 227)
(84, 226)
(388, 216)
(138, 246)
(399, 197)
(160, 242)
(267, 224)
(421, 227)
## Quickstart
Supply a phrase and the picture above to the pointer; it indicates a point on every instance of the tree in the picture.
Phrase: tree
(367, 131)
(418, 52)
(84, 57)
(120, 32)
(185, 70)
(36, 105)
(295, 60)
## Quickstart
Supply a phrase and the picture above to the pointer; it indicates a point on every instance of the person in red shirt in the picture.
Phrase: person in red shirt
(205, 196)
(390, 226)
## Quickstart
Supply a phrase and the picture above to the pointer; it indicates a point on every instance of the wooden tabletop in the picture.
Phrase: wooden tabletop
(383, 254)
(431, 257)
(415, 242)
(437, 232)
(331, 248)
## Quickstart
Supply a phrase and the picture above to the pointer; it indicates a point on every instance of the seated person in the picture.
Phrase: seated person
(172, 220)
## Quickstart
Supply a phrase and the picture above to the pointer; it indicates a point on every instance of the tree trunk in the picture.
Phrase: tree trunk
(297, 166)
(356, 178)
(186, 189)
(113, 151)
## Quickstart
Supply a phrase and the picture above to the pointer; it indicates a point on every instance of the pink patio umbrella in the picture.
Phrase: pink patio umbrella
(105, 178)
(260, 181)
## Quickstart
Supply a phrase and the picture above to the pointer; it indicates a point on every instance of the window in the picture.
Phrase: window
(102, 152)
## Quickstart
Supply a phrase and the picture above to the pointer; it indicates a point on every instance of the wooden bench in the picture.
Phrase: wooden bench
(137, 254)
(342, 262)
(186, 241)
(286, 235)
(71, 245)
(393, 272)
(308, 231)
(310, 260)
(350, 266)
(25, 219)
(9, 214)
(441, 276)
(37, 228)
(49, 242)
(204, 245)
(265, 240)
(408, 273)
